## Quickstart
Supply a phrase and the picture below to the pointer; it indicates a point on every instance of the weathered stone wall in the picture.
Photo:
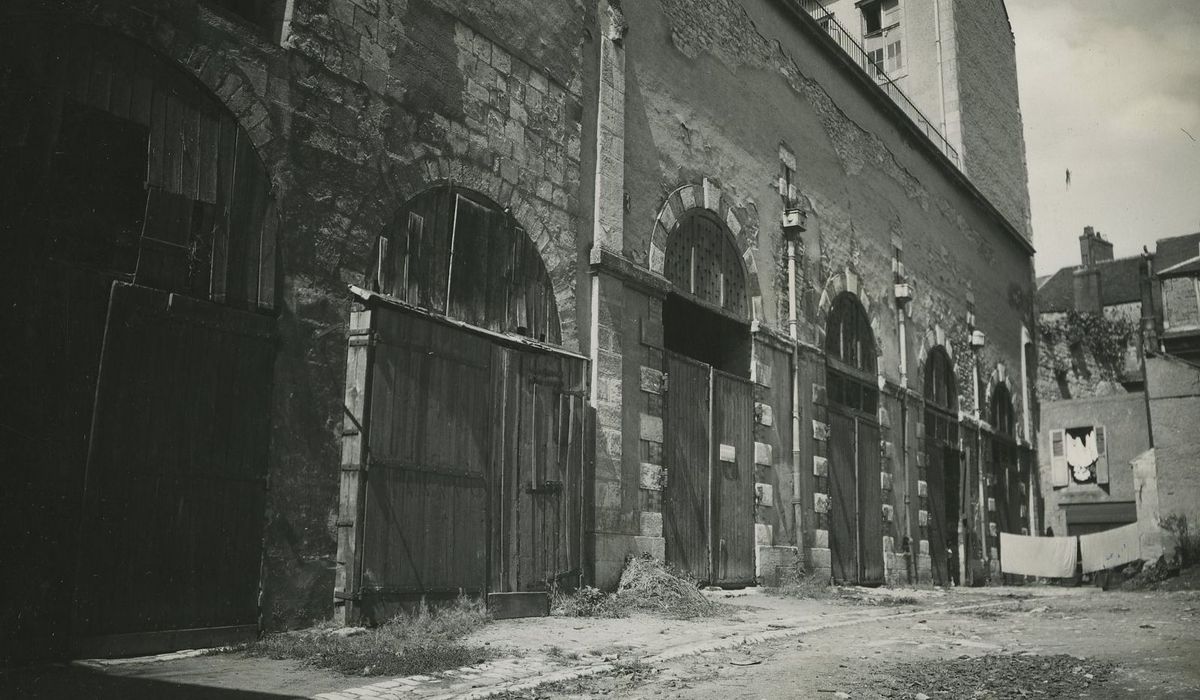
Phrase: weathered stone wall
(1181, 304)
(993, 138)
(1124, 419)
(1174, 388)
(714, 93)
(367, 103)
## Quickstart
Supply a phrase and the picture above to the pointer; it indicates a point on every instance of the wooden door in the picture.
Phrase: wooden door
(733, 480)
(540, 402)
(430, 427)
(688, 453)
(174, 498)
(939, 537)
(870, 503)
(843, 498)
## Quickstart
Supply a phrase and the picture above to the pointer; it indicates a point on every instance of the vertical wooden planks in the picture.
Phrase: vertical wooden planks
(355, 436)
(843, 498)
(688, 455)
(733, 411)
(870, 503)
(267, 261)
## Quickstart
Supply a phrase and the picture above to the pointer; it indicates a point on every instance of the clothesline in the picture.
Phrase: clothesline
(1058, 557)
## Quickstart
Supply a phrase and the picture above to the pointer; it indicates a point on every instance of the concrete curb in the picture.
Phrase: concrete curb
(704, 647)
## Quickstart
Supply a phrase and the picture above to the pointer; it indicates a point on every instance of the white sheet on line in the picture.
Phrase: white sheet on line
(1052, 557)
(1116, 547)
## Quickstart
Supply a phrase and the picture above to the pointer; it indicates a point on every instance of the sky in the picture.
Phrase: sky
(1109, 89)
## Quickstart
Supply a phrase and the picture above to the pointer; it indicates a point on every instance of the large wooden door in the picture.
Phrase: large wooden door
(425, 513)
(939, 527)
(843, 498)
(688, 454)
(174, 498)
(870, 503)
(540, 403)
(473, 474)
(856, 513)
(733, 480)
(708, 502)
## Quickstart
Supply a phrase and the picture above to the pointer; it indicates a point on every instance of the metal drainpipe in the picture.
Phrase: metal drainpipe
(797, 499)
(913, 548)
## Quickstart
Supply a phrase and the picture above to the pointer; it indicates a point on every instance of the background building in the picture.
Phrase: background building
(1117, 387)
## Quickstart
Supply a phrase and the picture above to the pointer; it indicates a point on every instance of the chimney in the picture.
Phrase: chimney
(1087, 290)
(1093, 248)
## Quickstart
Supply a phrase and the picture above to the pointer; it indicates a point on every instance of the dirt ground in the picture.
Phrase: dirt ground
(1078, 643)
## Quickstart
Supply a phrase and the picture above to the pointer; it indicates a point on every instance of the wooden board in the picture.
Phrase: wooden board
(174, 503)
(733, 482)
(687, 497)
(843, 498)
(870, 504)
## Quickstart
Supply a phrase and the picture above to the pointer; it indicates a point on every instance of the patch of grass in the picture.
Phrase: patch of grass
(588, 602)
(424, 641)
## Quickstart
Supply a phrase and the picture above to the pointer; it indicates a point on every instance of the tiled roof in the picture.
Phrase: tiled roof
(1187, 268)
(1118, 285)
(1172, 251)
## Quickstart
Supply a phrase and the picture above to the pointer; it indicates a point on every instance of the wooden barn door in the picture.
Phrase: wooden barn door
(843, 497)
(174, 496)
(708, 502)
(688, 454)
(856, 513)
(939, 526)
(430, 429)
(733, 481)
(540, 404)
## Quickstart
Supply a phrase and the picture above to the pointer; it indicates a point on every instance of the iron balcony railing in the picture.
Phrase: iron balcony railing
(874, 69)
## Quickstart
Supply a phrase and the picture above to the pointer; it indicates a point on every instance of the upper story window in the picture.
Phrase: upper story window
(850, 356)
(879, 15)
(882, 37)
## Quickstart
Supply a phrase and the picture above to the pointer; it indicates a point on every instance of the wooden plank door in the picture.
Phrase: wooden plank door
(870, 503)
(174, 499)
(540, 470)
(429, 426)
(939, 542)
(733, 480)
(843, 498)
(687, 510)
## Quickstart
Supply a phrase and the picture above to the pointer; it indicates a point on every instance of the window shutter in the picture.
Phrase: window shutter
(1059, 470)
(1102, 458)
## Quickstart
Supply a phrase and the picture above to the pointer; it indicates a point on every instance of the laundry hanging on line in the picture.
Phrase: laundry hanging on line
(1111, 548)
(1051, 557)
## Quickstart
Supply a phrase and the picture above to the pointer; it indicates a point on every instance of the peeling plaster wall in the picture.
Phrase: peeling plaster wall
(714, 88)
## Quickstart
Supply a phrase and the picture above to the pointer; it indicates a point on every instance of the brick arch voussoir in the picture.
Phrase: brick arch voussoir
(708, 195)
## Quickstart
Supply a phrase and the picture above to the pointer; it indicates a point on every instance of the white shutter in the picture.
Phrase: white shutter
(1102, 455)
(1059, 470)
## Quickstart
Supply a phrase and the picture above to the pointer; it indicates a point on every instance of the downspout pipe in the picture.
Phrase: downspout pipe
(793, 333)
(913, 547)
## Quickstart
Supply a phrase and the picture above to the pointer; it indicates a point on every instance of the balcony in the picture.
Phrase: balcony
(874, 69)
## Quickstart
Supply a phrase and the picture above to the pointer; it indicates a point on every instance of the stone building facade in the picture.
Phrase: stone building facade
(710, 186)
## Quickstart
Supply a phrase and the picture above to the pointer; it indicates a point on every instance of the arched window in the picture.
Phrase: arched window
(702, 262)
(453, 251)
(1003, 420)
(941, 399)
(850, 356)
(706, 316)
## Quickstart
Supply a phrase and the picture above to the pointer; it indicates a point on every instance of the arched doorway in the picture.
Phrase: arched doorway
(1004, 478)
(856, 512)
(941, 470)
(708, 502)
(464, 450)
(139, 274)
